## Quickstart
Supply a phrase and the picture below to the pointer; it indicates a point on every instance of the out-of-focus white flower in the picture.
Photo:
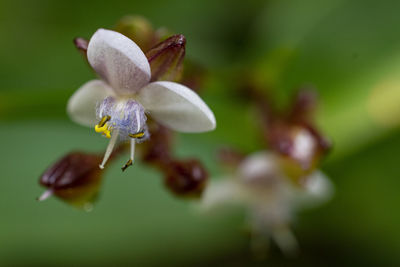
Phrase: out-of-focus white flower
(269, 197)
(117, 104)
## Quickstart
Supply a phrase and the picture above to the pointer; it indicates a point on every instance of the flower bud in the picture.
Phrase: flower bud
(75, 178)
(138, 29)
(82, 45)
(186, 177)
(166, 59)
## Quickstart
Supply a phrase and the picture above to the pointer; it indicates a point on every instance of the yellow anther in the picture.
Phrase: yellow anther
(127, 164)
(100, 129)
(137, 135)
(104, 120)
(107, 133)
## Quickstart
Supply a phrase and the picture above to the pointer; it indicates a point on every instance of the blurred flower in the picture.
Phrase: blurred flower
(75, 178)
(270, 199)
(119, 102)
(291, 133)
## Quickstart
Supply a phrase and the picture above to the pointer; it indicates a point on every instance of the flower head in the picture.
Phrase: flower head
(270, 198)
(118, 103)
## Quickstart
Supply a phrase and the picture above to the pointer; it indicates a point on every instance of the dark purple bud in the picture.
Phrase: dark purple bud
(81, 44)
(166, 59)
(186, 177)
(75, 178)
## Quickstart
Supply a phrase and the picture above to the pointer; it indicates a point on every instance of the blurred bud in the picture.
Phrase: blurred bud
(157, 150)
(140, 30)
(303, 106)
(292, 134)
(166, 59)
(186, 177)
(82, 45)
(75, 178)
(230, 157)
(299, 146)
(193, 76)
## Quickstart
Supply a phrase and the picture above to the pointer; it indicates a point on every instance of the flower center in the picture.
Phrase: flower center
(126, 115)
(125, 118)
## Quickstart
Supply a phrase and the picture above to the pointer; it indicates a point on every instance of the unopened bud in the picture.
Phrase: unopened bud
(75, 178)
(82, 45)
(186, 177)
(166, 58)
(138, 29)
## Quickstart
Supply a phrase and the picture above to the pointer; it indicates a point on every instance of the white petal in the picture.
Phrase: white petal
(317, 190)
(177, 107)
(119, 61)
(82, 104)
(220, 194)
(258, 165)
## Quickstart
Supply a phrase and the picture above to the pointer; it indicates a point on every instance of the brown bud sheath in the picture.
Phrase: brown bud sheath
(166, 59)
(186, 177)
(75, 178)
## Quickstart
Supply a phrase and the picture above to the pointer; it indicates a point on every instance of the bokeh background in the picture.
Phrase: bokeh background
(349, 50)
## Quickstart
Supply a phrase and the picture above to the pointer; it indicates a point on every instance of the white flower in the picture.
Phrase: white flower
(268, 195)
(117, 104)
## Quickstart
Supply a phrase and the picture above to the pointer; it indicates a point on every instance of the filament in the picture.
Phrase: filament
(110, 147)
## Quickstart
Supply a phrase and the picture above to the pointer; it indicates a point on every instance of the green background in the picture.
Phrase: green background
(349, 50)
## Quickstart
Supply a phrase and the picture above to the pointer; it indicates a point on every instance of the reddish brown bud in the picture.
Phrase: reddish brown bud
(75, 178)
(166, 58)
(186, 177)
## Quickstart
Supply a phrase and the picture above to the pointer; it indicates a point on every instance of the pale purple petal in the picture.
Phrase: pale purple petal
(82, 104)
(177, 107)
(119, 61)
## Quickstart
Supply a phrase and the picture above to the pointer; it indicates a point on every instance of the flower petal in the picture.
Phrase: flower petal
(119, 61)
(82, 104)
(317, 190)
(177, 107)
(221, 194)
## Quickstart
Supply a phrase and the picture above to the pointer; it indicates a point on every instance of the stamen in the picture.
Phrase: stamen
(46, 194)
(130, 161)
(104, 120)
(110, 148)
(127, 164)
(100, 129)
(136, 135)
(138, 120)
